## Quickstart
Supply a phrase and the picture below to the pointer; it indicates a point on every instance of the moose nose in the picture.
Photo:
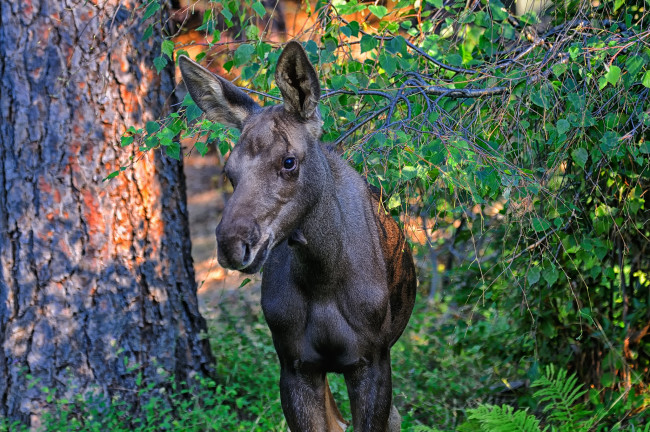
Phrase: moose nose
(235, 242)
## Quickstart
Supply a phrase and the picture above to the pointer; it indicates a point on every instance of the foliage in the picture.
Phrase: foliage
(559, 395)
(441, 363)
(561, 410)
(209, 408)
(438, 368)
(501, 419)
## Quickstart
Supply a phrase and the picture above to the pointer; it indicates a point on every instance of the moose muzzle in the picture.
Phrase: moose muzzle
(238, 243)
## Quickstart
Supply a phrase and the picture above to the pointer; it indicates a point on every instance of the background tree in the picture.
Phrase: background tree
(97, 289)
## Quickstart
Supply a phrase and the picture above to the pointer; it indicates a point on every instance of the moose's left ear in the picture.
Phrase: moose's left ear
(298, 81)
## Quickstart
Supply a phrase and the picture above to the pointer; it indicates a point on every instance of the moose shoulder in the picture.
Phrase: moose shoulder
(339, 282)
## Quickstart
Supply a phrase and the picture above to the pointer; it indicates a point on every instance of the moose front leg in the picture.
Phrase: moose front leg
(303, 399)
(370, 390)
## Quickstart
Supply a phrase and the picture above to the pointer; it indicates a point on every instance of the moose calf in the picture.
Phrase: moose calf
(339, 282)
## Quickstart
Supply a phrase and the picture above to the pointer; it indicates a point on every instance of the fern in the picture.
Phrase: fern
(490, 418)
(559, 394)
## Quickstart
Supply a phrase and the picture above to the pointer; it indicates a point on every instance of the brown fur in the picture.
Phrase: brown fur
(399, 268)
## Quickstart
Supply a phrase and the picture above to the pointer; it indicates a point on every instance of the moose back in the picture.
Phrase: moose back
(339, 282)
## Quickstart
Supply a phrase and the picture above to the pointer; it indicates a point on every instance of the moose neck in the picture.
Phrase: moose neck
(325, 232)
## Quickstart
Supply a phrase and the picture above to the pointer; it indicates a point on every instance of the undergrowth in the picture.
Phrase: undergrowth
(447, 368)
(560, 407)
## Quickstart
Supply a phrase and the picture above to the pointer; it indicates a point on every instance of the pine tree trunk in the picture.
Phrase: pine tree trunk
(96, 278)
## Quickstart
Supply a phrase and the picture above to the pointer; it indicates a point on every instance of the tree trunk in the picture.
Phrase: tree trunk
(96, 278)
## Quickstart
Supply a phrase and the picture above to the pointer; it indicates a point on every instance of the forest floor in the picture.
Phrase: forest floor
(217, 286)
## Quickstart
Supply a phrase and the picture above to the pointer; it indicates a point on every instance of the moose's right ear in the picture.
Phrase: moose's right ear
(221, 100)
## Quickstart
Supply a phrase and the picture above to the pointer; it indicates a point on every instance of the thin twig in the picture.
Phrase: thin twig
(359, 125)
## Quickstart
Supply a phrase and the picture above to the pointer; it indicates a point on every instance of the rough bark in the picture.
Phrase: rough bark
(96, 278)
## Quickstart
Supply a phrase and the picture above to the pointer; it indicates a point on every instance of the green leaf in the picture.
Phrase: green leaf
(388, 63)
(540, 224)
(645, 147)
(173, 150)
(613, 74)
(396, 45)
(409, 172)
(634, 64)
(454, 59)
(187, 100)
(368, 43)
(224, 147)
(533, 275)
(378, 11)
(168, 48)
(259, 8)
(160, 62)
(607, 379)
(550, 275)
(111, 175)
(436, 3)
(393, 202)
(193, 112)
(126, 140)
(151, 10)
(243, 54)
(580, 156)
(148, 32)
(541, 98)
(602, 83)
(562, 126)
(227, 15)
(249, 71)
(202, 147)
(498, 11)
(198, 58)
(559, 69)
(338, 81)
(507, 31)
(609, 141)
(646, 79)
(354, 28)
(152, 127)
(244, 283)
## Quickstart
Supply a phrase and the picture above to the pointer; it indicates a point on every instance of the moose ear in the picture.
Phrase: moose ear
(297, 81)
(221, 100)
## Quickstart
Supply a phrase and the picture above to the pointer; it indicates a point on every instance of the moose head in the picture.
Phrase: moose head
(279, 144)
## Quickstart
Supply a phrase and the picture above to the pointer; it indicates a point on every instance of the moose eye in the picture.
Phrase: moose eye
(289, 163)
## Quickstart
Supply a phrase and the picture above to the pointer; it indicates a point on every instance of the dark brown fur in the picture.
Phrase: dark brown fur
(399, 268)
(339, 282)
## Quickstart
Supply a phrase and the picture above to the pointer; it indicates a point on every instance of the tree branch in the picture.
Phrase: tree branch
(465, 92)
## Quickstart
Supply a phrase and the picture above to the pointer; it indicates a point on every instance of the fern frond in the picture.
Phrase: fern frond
(560, 393)
(470, 425)
(504, 419)
(423, 428)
